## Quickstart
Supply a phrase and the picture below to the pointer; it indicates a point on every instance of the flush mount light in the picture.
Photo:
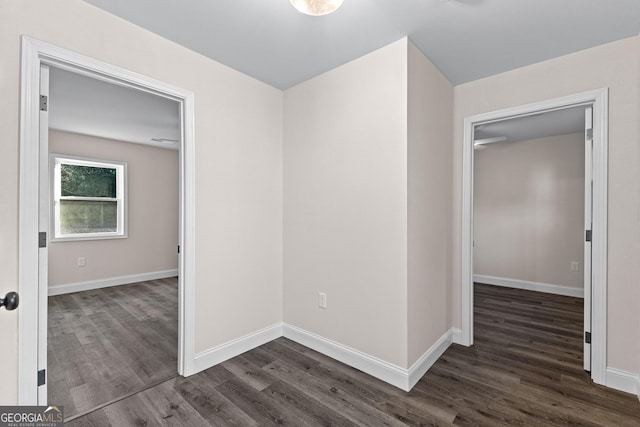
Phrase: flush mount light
(489, 140)
(481, 144)
(316, 7)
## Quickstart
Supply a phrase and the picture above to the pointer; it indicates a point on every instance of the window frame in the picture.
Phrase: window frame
(56, 160)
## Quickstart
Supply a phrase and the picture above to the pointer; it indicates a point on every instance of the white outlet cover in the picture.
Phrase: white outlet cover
(322, 300)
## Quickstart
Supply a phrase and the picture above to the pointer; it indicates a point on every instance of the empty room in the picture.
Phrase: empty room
(113, 169)
(336, 253)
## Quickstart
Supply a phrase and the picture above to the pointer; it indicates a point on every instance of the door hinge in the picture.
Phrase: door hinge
(42, 239)
(178, 248)
(589, 134)
(587, 236)
(587, 337)
(42, 377)
(43, 102)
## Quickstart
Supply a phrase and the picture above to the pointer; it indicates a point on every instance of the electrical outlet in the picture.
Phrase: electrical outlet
(322, 300)
(574, 266)
(82, 261)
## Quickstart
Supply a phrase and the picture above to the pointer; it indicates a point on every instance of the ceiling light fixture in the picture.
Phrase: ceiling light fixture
(481, 144)
(165, 140)
(316, 7)
(489, 140)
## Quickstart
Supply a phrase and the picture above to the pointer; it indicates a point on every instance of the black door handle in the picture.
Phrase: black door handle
(10, 301)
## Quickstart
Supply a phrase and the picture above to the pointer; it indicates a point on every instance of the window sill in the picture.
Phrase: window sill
(86, 238)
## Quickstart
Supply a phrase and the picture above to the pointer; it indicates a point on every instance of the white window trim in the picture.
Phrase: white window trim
(121, 198)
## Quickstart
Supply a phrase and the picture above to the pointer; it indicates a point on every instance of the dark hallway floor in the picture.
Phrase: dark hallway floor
(525, 368)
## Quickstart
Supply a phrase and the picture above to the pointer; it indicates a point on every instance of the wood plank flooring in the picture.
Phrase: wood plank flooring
(524, 369)
(108, 343)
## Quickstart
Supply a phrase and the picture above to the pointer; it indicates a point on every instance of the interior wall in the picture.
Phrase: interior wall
(529, 210)
(238, 170)
(152, 214)
(430, 113)
(345, 204)
(613, 65)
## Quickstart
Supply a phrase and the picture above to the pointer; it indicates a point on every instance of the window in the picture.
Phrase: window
(88, 198)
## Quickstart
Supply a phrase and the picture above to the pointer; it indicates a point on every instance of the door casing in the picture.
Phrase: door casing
(33, 292)
(598, 99)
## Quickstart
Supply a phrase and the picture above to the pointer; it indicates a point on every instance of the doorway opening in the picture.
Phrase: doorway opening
(37, 57)
(596, 233)
(112, 239)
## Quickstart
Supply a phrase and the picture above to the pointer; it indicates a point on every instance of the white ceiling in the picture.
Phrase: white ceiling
(89, 106)
(271, 41)
(93, 107)
(553, 123)
(465, 39)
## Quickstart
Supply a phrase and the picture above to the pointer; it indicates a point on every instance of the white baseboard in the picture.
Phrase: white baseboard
(530, 286)
(399, 377)
(113, 281)
(208, 358)
(430, 357)
(456, 335)
(623, 381)
(373, 366)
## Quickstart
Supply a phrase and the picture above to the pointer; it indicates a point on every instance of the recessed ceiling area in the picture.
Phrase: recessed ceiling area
(552, 123)
(89, 106)
(465, 39)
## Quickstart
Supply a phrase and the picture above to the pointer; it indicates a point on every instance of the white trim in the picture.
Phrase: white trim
(599, 100)
(34, 54)
(399, 377)
(456, 336)
(112, 281)
(187, 255)
(208, 358)
(121, 199)
(187, 231)
(467, 234)
(431, 356)
(623, 381)
(373, 366)
(587, 249)
(599, 235)
(28, 314)
(530, 286)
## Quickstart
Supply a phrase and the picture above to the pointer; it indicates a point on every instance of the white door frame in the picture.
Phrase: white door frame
(30, 335)
(599, 100)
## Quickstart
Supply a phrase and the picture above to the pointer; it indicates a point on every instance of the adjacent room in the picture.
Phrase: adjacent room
(113, 170)
(531, 260)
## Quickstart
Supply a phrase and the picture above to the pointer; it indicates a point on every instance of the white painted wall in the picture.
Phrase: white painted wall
(345, 204)
(529, 210)
(430, 113)
(238, 136)
(152, 190)
(367, 204)
(614, 65)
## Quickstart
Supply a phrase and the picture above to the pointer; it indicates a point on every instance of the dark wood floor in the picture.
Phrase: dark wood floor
(108, 343)
(524, 369)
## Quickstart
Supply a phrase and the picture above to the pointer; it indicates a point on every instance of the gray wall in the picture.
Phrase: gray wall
(152, 205)
(529, 210)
